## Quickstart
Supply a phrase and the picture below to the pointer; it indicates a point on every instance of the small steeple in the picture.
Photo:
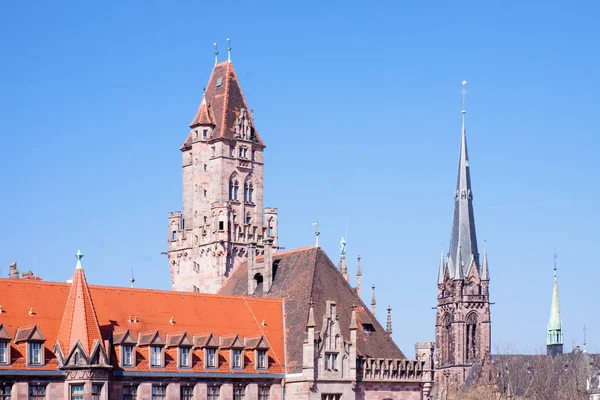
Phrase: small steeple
(463, 235)
(554, 343)
(79, 256)
(216, 53)
(388, 327)
(311, 315)
(358, 277)
(229, 50)
(485, 273)
(342, 266)
(373, 302)
(442, 267)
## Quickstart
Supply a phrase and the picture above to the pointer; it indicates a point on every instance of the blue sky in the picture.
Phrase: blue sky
(359, 106)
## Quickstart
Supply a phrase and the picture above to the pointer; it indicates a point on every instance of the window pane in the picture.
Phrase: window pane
(213, 392)
(3, 351)
(76, 392)
(159, 392)
(187, 393)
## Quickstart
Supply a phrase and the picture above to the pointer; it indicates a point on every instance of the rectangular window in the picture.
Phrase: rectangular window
(130, 392)
(205, 193)
(204, 167)
(263, 393)
(3, 353)
(210, 358)
(204, 133)
(221, 225)
(236, 358)
(213, 392)
(184, 357)
(35, 353)
(96, 391)
(331, 361)
(5, 390)
(174, 235)
(37, 392)
(76, 392)
(187, 393)
(239, 392)
(156, 356)
(128, 356)
(262, 359)
(331, 397)
(253, 155)
(159, 392)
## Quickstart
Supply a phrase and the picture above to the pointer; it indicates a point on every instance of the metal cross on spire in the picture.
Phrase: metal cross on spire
(463, 94)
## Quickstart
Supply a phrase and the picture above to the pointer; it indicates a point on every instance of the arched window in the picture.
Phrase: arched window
(258, 283)
(471, 336)
(233, 188)
(249, 192)
(447, 339)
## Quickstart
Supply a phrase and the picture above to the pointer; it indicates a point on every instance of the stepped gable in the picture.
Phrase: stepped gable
(307, 273)
(117, 309)
(221, 105)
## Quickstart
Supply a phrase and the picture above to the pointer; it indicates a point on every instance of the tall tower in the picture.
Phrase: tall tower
(463, 333)
(554, 343)
(222, 214)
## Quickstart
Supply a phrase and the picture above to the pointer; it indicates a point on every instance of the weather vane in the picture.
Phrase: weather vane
(463, 93)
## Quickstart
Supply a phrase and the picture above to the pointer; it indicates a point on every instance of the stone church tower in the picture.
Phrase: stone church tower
(222, 216)
(463, 330)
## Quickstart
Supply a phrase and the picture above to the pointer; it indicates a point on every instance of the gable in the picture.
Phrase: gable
(257, 343)
(4, 333)
(205, 340)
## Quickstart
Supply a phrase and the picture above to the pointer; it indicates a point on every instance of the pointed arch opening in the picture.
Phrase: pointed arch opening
(234, 186)
(471, 337)
(446, 339)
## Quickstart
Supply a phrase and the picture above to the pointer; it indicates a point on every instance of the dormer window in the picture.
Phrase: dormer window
(210, 358)
(236, 358)
(127, 355)
(34, 350)
(155, 356)
(184, 357)
(331, 361)
(4, 352)
(261, 359)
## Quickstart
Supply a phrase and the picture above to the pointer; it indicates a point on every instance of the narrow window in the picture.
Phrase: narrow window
(205, 166)
(76, 392)
(213, 392)
(5, 390)
(205, 219)
(156, 356)
(37, 392)
(240, 152)
(187, 393)
(245, 153)
(263, 393)
(3, 353)
(184, 357)
(35, 353)
(251, 193)
(239, 392)
(248, 218)
(174, 235)
(130, 392)
(253, 155)
(205, 133)
(231, 151)
(76, 358)
(96, 391)
(205, 193)
(236, 358)
(196, 289)
(221, 225)
(262, 359)
(127, 355)
(159, 392)
(210, 358)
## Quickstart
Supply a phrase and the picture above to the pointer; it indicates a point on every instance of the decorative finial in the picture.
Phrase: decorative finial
(373, 302)
(132, 280)
(555, 268)
(79, 256)
(317, 233)
(584, 341)
(343, 247)
(463, 93)
(216, 53)
(228, 50)
(388, 327)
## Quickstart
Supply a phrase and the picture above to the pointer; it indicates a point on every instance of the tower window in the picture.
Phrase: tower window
(233, 189)
(219, 81)
(248, 217)
(174, 235)
(253, 155)
(221, 225)
(205, 193)
(471, 337)
(205, 133)
(204, 167)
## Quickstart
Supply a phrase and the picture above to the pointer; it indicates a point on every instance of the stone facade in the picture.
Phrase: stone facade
(222, 168)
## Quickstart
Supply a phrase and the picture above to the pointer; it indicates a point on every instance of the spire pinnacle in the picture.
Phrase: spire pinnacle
(132, 280)
(388, 327)
(358, 277)
(555, 336)
(485, 273)
(442, 270)
(373, 302)
(79, 256)
(216, 53)
(311, 315)
(317, 233)
(228, 50)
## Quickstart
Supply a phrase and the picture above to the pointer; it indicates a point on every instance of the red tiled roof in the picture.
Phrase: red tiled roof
(191, 312)
(308, 273)
(223, 104)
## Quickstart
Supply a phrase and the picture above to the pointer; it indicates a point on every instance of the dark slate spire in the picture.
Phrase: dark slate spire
(463, 238)
(388, 327)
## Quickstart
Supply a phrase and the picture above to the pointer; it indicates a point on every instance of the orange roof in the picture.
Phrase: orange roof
(117, 309)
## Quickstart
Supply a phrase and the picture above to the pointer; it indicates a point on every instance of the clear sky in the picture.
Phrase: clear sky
(359, 105)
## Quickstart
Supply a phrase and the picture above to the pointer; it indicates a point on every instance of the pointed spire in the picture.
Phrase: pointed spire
(358, 277)
(442, 266)
(373, 302)
(311, 315)
(79, 321)
(555, 336)
(216, 53)
(229, 50)
(485, 273)
(388, 327)
(463, 224)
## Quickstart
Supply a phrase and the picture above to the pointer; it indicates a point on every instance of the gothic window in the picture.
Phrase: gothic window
(331, 361)
(248, 218)
(446, 339)
(249, 192)
(233, 188)
(471, 336)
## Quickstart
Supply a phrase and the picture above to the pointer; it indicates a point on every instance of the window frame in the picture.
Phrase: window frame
(186, 396)
(132, 392)
(30, 354)
(5, 391)
(263, 355)
(39, 392)
(213, 396)
(76, 396)
(159, 396)
(97, 394)
(213, 352)
(180, 352)
(264, 392)
(236, 392)
(156, 351)
(131, 361)
(236, 353)
(4, 352)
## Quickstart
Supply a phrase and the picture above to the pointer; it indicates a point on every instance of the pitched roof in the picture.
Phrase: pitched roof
(308, 273)
(79, 321)
(221, 105)
(152, 309)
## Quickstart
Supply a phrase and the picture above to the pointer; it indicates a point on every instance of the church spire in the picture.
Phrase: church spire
(554, 343)
(463, 239)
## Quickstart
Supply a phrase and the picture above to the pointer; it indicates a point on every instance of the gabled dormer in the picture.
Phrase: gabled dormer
(183, 345)
(209, 345)
(153, 346)
(79, 358)
(34, 340)
(259, 346)
(4, 346)
(333, 350)
(236, 350)
(125, 347)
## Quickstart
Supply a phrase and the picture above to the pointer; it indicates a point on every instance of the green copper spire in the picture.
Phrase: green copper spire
(555, 336)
